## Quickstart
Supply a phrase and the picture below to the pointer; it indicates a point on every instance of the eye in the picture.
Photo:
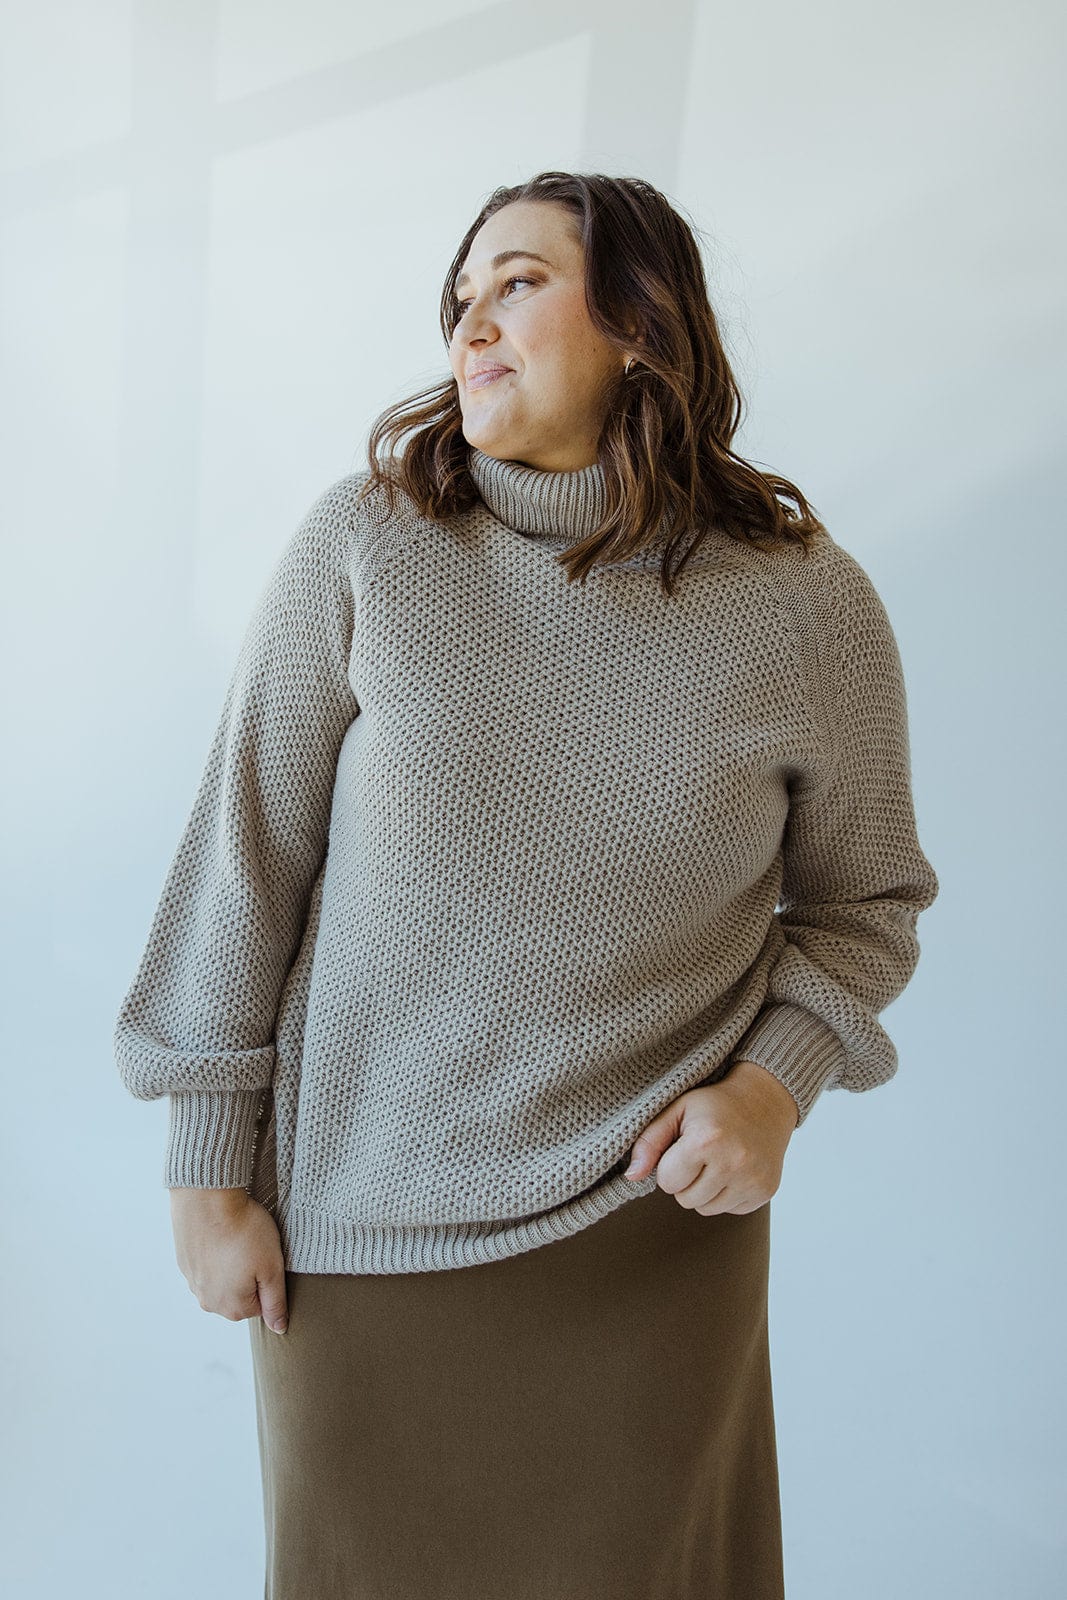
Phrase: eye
(460, 306)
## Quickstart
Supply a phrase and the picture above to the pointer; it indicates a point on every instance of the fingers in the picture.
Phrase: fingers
(650, 1144)
(232, 1259)
(704, 1198)
(272, 1301)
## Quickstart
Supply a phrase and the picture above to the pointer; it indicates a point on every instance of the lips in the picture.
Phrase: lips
(486, 375)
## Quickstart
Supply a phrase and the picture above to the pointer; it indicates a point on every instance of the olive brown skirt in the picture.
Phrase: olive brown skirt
(589, 1420)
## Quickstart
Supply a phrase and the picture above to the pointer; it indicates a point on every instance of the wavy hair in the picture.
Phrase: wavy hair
(670, 473)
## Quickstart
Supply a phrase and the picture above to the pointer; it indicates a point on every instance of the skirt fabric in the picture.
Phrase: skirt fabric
(592, 1418)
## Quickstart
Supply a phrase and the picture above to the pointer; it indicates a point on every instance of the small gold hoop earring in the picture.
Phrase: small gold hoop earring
(626, 368)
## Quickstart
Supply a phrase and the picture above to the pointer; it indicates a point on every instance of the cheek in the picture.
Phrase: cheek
(567, 354)
(559, 331)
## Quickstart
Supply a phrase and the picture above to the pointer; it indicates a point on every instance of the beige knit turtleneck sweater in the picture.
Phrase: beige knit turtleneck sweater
(485, 869)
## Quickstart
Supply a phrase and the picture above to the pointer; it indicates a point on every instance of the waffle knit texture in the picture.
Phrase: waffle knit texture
(486, 868)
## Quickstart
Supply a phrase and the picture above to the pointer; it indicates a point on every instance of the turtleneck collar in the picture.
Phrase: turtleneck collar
(556, 509)
(560, 507)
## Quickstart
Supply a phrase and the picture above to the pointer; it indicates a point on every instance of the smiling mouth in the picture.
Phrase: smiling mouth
(481, 379)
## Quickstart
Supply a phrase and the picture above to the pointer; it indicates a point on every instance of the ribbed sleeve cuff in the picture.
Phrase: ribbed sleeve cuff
(801, 1050)
(210, 1139)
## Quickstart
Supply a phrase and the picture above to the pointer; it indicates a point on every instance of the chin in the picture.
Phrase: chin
(485, 439)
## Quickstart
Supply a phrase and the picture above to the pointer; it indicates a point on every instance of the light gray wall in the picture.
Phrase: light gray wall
(224, 231)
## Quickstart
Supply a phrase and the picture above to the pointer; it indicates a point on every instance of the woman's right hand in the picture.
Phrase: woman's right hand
(230, 1252)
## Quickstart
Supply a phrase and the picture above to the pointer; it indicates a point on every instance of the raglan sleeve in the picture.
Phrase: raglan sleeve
(198, 1021)
(855, 877)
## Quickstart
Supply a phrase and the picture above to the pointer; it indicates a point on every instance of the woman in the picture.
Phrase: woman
(555, 851)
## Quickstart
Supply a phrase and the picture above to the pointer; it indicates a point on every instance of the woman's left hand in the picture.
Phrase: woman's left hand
(721, 1147)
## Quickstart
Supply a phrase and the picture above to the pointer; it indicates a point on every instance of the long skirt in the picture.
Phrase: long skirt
(589, 1420)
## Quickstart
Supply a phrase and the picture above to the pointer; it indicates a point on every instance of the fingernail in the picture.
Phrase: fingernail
(280, 1327)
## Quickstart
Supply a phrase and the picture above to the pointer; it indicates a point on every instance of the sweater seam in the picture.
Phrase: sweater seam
(828, 656)
(397, 547)
(813, 665)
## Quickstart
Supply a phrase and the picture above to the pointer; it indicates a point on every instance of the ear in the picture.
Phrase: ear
(633, 330)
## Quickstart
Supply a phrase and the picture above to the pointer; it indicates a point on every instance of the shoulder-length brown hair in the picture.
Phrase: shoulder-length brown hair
(665, 445)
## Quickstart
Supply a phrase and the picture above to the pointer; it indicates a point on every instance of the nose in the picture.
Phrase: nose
(476, 325)
(472, 340)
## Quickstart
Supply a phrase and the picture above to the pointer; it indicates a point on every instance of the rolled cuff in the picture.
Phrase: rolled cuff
(801, 1051)
(210, 1139)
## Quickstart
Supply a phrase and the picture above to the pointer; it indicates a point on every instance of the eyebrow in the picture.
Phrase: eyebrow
(507, 255)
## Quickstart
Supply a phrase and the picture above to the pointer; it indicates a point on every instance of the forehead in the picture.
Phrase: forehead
(534, 229)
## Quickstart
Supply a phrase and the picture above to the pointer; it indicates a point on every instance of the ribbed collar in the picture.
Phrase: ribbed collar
(557, 509)
(560, 507)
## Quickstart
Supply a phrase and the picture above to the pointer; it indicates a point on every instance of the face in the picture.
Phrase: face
(529, 316)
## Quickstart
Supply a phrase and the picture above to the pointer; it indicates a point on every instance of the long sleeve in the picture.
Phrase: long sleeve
(855, 878)
(199, 1018)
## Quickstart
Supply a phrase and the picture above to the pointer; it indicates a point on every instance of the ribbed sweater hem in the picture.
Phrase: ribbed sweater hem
(314, 1241)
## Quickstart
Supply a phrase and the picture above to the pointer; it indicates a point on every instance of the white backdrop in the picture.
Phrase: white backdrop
(225, 226)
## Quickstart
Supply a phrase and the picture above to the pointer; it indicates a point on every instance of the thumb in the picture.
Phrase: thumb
(272, 1301)
(656, 1138)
